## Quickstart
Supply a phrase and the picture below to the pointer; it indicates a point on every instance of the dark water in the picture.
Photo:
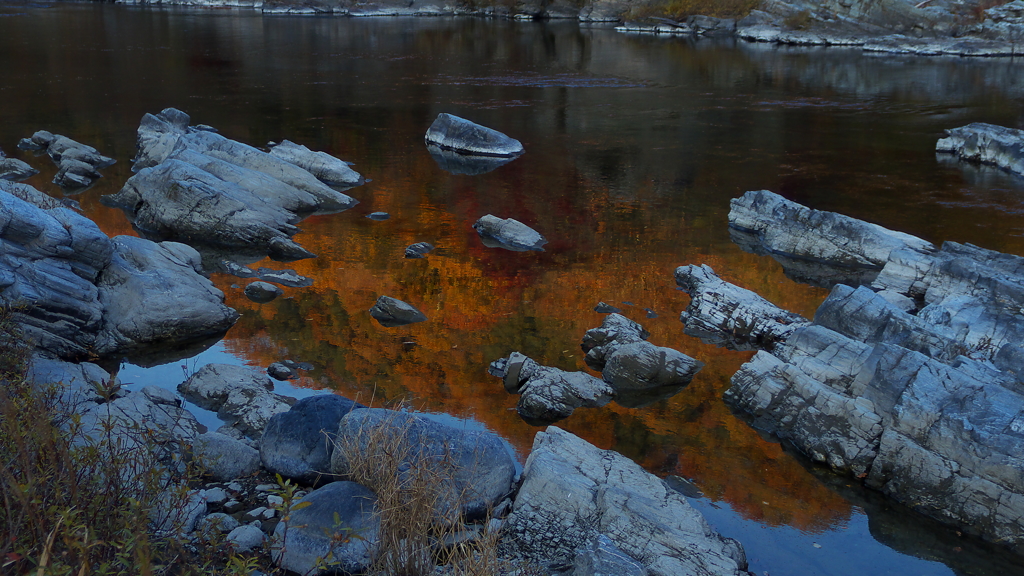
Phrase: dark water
(635, 145)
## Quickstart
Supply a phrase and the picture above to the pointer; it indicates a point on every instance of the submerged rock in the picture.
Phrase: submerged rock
(391, 312)
(575, 496)
(418, 250)
(453, 133)
(262, 292)
(378, 216)
(326, 168)
(986, 144)
(509, 234)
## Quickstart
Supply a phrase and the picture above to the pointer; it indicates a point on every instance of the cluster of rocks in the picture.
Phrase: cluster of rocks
(79, 293)
(574, 510)
(634, 373)
(910, 378)
(196, 186)
(78, 165)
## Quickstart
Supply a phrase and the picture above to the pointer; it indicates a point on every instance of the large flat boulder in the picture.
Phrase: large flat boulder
(573, 493)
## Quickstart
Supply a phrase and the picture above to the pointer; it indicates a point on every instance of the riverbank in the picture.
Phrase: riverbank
(929, 28)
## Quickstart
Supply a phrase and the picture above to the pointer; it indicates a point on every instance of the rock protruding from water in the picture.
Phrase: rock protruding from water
(326, 168)
(262, 292)
(575, 496)
(241, 395)
(301, 543)
(509, 234)
(92, 294)
(298, 444)
(548, 394)
(197, 186)
(814, 246)
(418, 250)
(453, 133)
(913, 384)
(77, 163)
(14, 170)
(986, 144)
(633, 367)
(391, 312)
(726, 315)
(476, 466)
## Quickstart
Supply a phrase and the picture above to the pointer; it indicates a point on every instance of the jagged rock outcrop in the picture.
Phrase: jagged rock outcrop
(913, 384)
(83, 293)
(986, 144)
(726, 315)
(509, 234)
(814, 246)
(450, 132)
(573, 493)
(477, 469)
(77, 164)
(199, 187)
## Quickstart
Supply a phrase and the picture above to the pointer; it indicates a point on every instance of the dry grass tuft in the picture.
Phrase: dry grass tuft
(680, 10)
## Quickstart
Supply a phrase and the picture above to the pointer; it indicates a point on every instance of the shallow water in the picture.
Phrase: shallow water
(634, 147)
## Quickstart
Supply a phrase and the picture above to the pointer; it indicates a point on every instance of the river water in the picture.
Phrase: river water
(634, 147)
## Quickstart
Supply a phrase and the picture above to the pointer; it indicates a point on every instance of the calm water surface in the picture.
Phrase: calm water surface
(635, 145)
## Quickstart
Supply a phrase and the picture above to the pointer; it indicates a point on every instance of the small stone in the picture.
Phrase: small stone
(262, 292)
(378, 216)
(245, 538)
(219, 522)
(391, 312)
(256, 513)
(275, 501)
(232, 506)
(216, 496)
(266, 487)
(279, 371)
(235, 487)
(418, 250)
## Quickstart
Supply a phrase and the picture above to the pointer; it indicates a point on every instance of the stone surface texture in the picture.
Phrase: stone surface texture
(298, 444)
(572, 492)
(244, 396)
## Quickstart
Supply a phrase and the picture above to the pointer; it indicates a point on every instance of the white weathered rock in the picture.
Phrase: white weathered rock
(726, 315)
(572, 492)
(325, 167)
(986, 144)
(454, 133)
(548, 394)
(238, 393)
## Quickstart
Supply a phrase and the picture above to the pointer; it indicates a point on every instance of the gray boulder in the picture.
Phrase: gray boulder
(155, 294)
(814, 246)
(38, 141)
(242, 395)
(62, 148)
(262, 292)
(453, 133)
(573, 492)
(298, 444)
(390, 312)
(726, 315)
(15, 170)
(477, 469)
(245, 538)
(307, 536)
(548, 394)
(509, 234)
(986, 144)
(223, 459)
(325, 167)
